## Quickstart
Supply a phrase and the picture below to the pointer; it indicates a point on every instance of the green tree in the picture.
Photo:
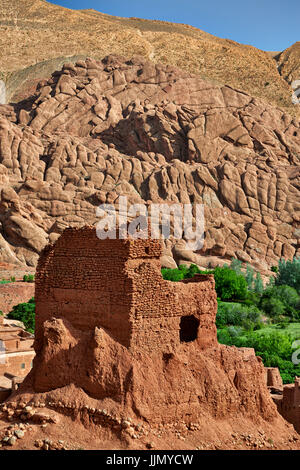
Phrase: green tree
(289, 273)
(236, 314)
(273, 306)
(24, 312)
(236, 266)
(281, 300)
(174, 275)
(249, 276)
(229, 285)
(258, 284)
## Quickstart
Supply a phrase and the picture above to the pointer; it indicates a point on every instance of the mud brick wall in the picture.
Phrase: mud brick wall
(11, 344)
(14, 361)
(273, 378)
(117, 285)
(159, 306)
(289, 405)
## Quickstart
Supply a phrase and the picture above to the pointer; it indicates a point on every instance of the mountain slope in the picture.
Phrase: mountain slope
(289, 63)
(33, 31)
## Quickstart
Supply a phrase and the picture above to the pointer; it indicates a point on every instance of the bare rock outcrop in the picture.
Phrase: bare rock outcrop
(98, 130)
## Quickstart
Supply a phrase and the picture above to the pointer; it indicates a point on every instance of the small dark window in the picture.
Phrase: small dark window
(147, 250)
(188, 328)
(23, 365)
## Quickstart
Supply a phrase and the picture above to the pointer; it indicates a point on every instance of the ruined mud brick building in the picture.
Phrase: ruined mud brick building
(117, 285)
(16, 356)
(286, 397)
(288, 404)
(112, 335)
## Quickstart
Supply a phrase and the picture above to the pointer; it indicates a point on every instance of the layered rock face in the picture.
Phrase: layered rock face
(98, 130)
(145, 355)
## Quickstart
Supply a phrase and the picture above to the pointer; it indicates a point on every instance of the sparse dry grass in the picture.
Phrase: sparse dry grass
(289, 61)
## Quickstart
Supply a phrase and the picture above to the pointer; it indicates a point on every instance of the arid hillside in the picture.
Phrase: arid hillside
(35, 35)
(289, 63)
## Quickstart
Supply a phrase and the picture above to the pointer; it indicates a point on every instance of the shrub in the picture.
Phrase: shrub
(273, 306)
(28, 278)
(281, 300)
(229, 285)
(182, 272)
(252, 298)
(24, 312)
(275, 348)
(192, 270)
(236, 314)
(172, 274)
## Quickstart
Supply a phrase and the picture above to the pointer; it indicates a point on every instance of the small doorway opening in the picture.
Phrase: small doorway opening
(188, 328)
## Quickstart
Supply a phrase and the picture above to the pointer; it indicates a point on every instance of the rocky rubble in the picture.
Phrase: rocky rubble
(100, 129)
(21, 430)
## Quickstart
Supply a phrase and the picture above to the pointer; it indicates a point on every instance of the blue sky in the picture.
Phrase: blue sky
(269, 25)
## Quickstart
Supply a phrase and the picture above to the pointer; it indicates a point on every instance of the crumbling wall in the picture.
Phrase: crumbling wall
(273, 378)
(288, 404)
(117, 285)
(109, 328)
(17, 363)
(160, 306)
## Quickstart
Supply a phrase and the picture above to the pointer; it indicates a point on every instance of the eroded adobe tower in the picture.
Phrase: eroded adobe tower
(112, 335)
(117, 285)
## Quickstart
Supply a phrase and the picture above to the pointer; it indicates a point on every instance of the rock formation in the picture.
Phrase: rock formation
(125, 352)
(98, 130)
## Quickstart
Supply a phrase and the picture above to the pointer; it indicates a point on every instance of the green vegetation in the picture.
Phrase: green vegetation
(251, 315)
(28, 278)
(25, 313)
(289, 274)
(7, 281)
(229, 284)
(274, 347)
(183, 272)
(236, 314)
